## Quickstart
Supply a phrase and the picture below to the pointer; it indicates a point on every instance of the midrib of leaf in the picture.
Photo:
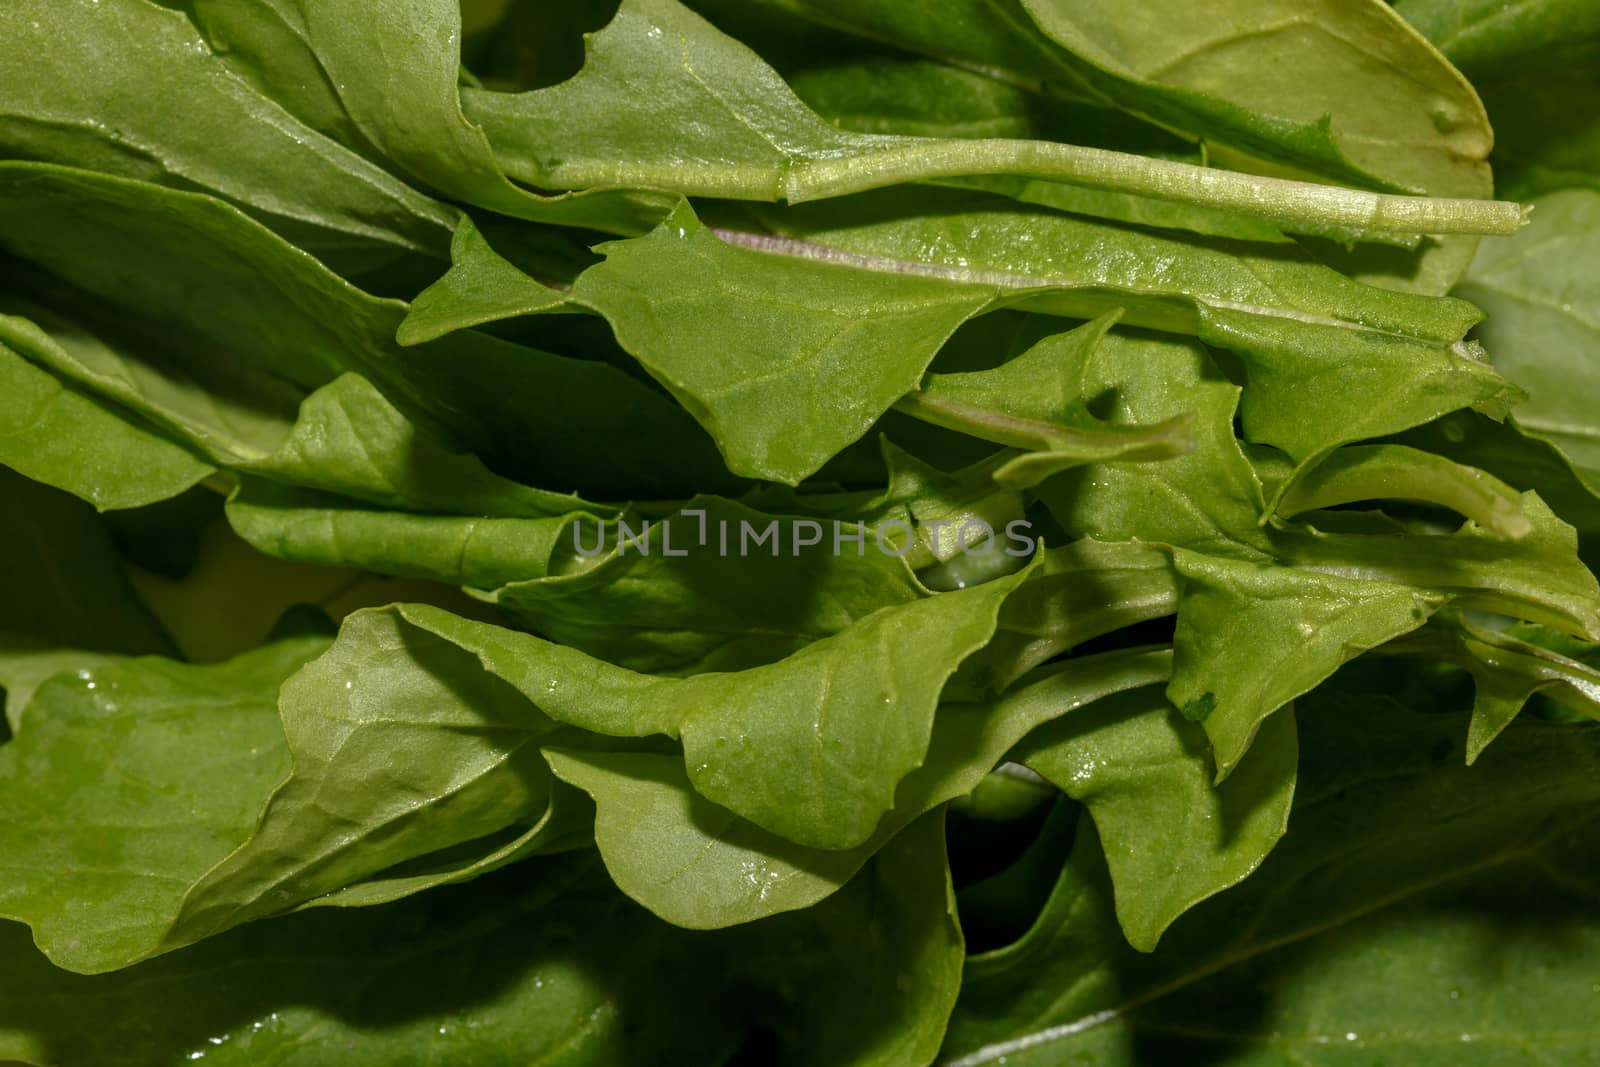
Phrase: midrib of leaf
(309, 865)
(1287, 1042)
(1526, 850)
(790, 246)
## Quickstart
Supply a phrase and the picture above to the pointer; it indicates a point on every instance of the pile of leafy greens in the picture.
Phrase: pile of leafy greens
(827, 532)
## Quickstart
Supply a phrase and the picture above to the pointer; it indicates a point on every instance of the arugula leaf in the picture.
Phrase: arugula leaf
(1307, 335)
(464, 550)
(128, 87)
(659, 836)
(1546, 137)
(1420, 126)
(1538, 578)
(1394, 472)
(1310, 337)
(1544, 309)
(1209, 499)
(1171, 838)
(393, 69)
(1076, 593)
(1506, 673)
(1261, 87)
(530, 411)
(78, 443)
(1036, 402)
(479, 288)
(1223, 79)
(1390, 835)
(508, 978)
(548, 962)
(627, 623)
(771, 402)
(456, 747)
(1302, 626)
(766, 145)
(717, 602)
(896, 925)
(104, 839)
(851, 714)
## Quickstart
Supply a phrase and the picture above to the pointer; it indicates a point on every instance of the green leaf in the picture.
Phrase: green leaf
(1076, 593)
(1538, 578)
(1527, 462)
(1036, 402)
(772, 402)
(27, 661)
(291, 327)
(716, 586)
(1171, 838)
(479, 553)
(546, 964)
(1534, 64)
(59, 436)
(348, 439)
(1310, 337)
(480, 287)
(699, 865)
(103, 839)
(886, 92)
(848, 716)
(1312, 341)
(233, 597)
(1261, 87)
(752, 139)
(1257, 77)
(858, 86)
(1394, 472)
(894, 930)
(1543, 299)
(1267, 81)
(566, 825)
(1390, 912)
(1301, 383)
(1506, 673)
(402, 746)
(696, 594)
(225, 414)
(128, 87)
(394, 69)
(1208, 499)
(941, 507)
(1252, 637)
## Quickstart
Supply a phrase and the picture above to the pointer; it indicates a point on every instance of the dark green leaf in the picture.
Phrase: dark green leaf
(1395, 914)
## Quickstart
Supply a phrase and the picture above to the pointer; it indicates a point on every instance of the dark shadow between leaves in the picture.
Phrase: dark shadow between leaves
(403, 973)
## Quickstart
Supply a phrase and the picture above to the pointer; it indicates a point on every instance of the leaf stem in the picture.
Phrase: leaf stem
(1277, 199)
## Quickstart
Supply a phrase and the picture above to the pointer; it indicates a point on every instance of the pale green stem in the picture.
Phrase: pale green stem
(1277, 199)
(879, 162)
(1393, 472)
